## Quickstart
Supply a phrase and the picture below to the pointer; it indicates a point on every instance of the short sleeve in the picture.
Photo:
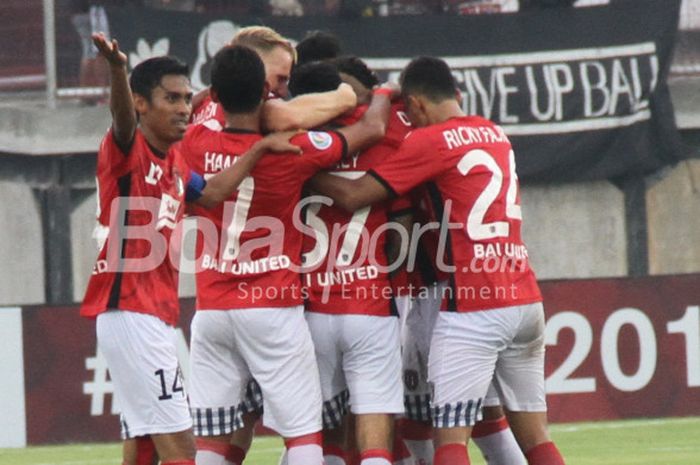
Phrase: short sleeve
(400, 206)
(112, 158)
(416, 161)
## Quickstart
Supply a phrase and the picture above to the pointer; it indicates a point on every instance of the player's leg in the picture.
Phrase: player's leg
(493, 435)
(171, 447)
(141, 355)
(139, 451)
(520, 382)
(277, 347)
(463, 355)
(372, 366)
(218, 380)
(252, 408)
(324, 331)
(337, 449)
(416, 426)
(401, 455)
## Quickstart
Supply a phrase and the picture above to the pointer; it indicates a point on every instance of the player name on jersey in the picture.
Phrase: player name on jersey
(466, 135)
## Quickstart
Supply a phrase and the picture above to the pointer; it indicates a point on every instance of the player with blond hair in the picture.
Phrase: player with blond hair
(278, 55)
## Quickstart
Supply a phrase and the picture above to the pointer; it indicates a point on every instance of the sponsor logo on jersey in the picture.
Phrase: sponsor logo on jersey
(320, 140)
(167, 214)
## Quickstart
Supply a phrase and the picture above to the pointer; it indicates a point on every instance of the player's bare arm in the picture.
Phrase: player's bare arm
(199, 97)
(121, 103)
(307, 111)
(372, 126)
(222, 186)
(350, 194)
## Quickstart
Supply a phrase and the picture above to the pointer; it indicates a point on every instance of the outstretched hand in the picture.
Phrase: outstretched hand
(279, 142)
(109, 49)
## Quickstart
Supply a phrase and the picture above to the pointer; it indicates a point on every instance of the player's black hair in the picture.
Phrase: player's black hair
(318, 76)
(355, 67)
(317, 46)
(238, 78)
(148, 74)
(430, 77)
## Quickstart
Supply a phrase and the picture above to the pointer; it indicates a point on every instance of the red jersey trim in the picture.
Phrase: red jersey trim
(124, 183)
(383, 182)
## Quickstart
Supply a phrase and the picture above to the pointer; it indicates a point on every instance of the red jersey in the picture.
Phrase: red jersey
(346, 263)
(254, 259)
(146, 191)
(209, 113)
(421, 269)
(469, 165)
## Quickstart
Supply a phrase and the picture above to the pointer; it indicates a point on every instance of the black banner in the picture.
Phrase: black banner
(581, 91)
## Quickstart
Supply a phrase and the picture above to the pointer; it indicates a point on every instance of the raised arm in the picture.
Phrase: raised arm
(199, 97)
(221, 186)
(309, 110)
(372, 126)
(350, 194)
(121, 103)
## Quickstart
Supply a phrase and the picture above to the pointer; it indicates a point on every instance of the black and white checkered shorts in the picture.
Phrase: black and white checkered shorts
(216, 422)
(459, 414)
(335, 409)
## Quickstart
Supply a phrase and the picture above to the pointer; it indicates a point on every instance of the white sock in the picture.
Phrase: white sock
(308, 454)
(333, 460)
(421, 451)
(207, 457)
(500, 448)
(283, 458)
(375, 461)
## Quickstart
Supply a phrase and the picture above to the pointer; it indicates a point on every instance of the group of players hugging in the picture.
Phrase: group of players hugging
(361, 282)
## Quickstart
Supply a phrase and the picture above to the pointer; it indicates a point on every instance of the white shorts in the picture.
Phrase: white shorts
(469, 350)
(416, 333)
(141, 355)
(359, 358)
(272, 345)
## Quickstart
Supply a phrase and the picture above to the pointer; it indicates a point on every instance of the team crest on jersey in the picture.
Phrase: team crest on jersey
(167, 215)
(320, 140)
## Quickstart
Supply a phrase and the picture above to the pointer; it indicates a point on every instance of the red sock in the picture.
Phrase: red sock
(400, 451)
(544, 454)
(145, 450)
(305, 449)
(235, 454)
(312, 438)
(451, 454)
(353, 457)
(332, 449)
(218, 447)
(375, 453)
(488, 427)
